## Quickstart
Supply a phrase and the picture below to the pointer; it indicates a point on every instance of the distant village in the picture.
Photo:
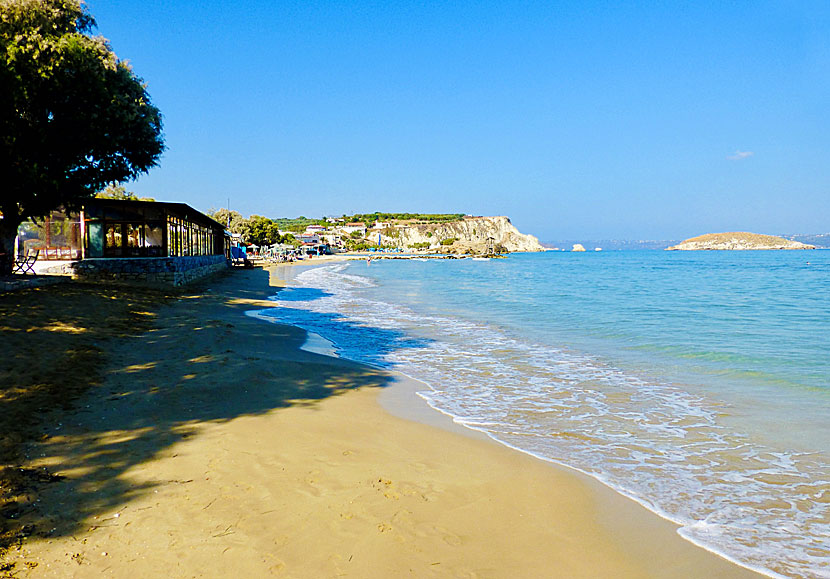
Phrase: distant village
(314, 240)
(366, 232)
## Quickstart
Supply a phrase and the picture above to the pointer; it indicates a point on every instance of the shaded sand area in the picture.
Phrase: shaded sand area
(211, 445)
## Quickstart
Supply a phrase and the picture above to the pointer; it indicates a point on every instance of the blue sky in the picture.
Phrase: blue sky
(631, 120)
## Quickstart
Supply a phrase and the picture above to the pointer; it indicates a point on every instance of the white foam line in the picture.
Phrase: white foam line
(598, 477)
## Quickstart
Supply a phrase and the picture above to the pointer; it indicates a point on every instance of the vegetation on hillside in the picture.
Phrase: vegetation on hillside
(265, 231)
(422, 217)
(298, 223)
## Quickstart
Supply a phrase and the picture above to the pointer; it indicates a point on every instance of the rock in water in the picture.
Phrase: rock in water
(737, 240)
(578, 247)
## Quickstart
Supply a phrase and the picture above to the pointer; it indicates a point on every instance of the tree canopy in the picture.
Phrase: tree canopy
(114, 191)
(254, 229)
(73, 117)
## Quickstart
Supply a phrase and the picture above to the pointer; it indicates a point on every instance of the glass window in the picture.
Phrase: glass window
(112, 240)
(135, 241)
(153, 239)
(95, 239)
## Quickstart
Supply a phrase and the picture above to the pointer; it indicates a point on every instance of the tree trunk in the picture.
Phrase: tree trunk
(8, 231)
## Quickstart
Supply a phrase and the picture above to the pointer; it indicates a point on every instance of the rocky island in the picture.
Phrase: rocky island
(737, 240)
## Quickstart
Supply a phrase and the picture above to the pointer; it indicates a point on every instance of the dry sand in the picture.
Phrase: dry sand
(215, 447)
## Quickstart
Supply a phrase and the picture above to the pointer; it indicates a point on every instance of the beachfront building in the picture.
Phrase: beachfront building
(332, 239)
(307, 237)
(125, 240)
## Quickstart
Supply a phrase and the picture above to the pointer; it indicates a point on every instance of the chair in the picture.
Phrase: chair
(26, 264)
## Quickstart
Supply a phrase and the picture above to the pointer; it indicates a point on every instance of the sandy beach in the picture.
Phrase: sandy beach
(210, 444)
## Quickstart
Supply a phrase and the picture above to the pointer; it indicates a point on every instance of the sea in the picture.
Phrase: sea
(695, 383)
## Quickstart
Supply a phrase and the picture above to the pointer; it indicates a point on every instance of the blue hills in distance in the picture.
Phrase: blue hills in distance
(820, 240)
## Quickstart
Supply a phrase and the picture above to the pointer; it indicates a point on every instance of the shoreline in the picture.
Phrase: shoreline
(235, 451)
(406, 402)
(403, 400)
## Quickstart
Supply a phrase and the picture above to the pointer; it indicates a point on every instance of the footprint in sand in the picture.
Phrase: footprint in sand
(312, 481)
(446, 535)
(385, 487)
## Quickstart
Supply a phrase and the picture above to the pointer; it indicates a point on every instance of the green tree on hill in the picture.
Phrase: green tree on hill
(73, 117)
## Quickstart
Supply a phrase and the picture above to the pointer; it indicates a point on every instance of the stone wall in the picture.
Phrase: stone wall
(148, 271)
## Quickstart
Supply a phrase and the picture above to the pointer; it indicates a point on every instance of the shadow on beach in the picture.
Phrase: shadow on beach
(368, 344)
(97, 381)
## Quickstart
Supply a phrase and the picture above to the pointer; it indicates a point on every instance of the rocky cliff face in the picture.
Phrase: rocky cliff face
(472, 235)
(738, 240)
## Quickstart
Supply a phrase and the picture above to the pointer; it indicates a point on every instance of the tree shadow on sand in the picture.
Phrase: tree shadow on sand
(203, 361)
(367, 344)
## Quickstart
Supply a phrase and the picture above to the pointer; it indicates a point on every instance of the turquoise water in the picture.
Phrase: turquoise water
(696, 383)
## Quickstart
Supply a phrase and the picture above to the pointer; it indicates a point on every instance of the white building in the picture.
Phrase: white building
(350, 228)
(333, 239)
(307, 237)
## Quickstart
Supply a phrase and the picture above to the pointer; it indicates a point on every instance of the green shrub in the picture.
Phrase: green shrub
(448, 241)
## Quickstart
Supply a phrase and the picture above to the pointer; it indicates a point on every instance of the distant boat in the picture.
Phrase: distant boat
(481, 259)
(597, 249)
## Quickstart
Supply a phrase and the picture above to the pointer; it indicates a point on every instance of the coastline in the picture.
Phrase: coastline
(241, 452)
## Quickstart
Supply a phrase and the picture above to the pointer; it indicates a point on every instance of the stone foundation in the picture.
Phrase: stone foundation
(148, 271)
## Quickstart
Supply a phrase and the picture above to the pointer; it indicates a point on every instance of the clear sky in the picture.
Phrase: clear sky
(631, 120)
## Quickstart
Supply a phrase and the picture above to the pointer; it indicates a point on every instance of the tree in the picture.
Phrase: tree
(114, 191)
(73, 117)
(233, 220)
(262, 231)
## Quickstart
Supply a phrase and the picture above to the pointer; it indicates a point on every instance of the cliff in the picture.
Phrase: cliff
(738, 240)
(471, 235)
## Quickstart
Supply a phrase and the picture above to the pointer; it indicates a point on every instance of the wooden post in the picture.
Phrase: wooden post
(83, 234)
